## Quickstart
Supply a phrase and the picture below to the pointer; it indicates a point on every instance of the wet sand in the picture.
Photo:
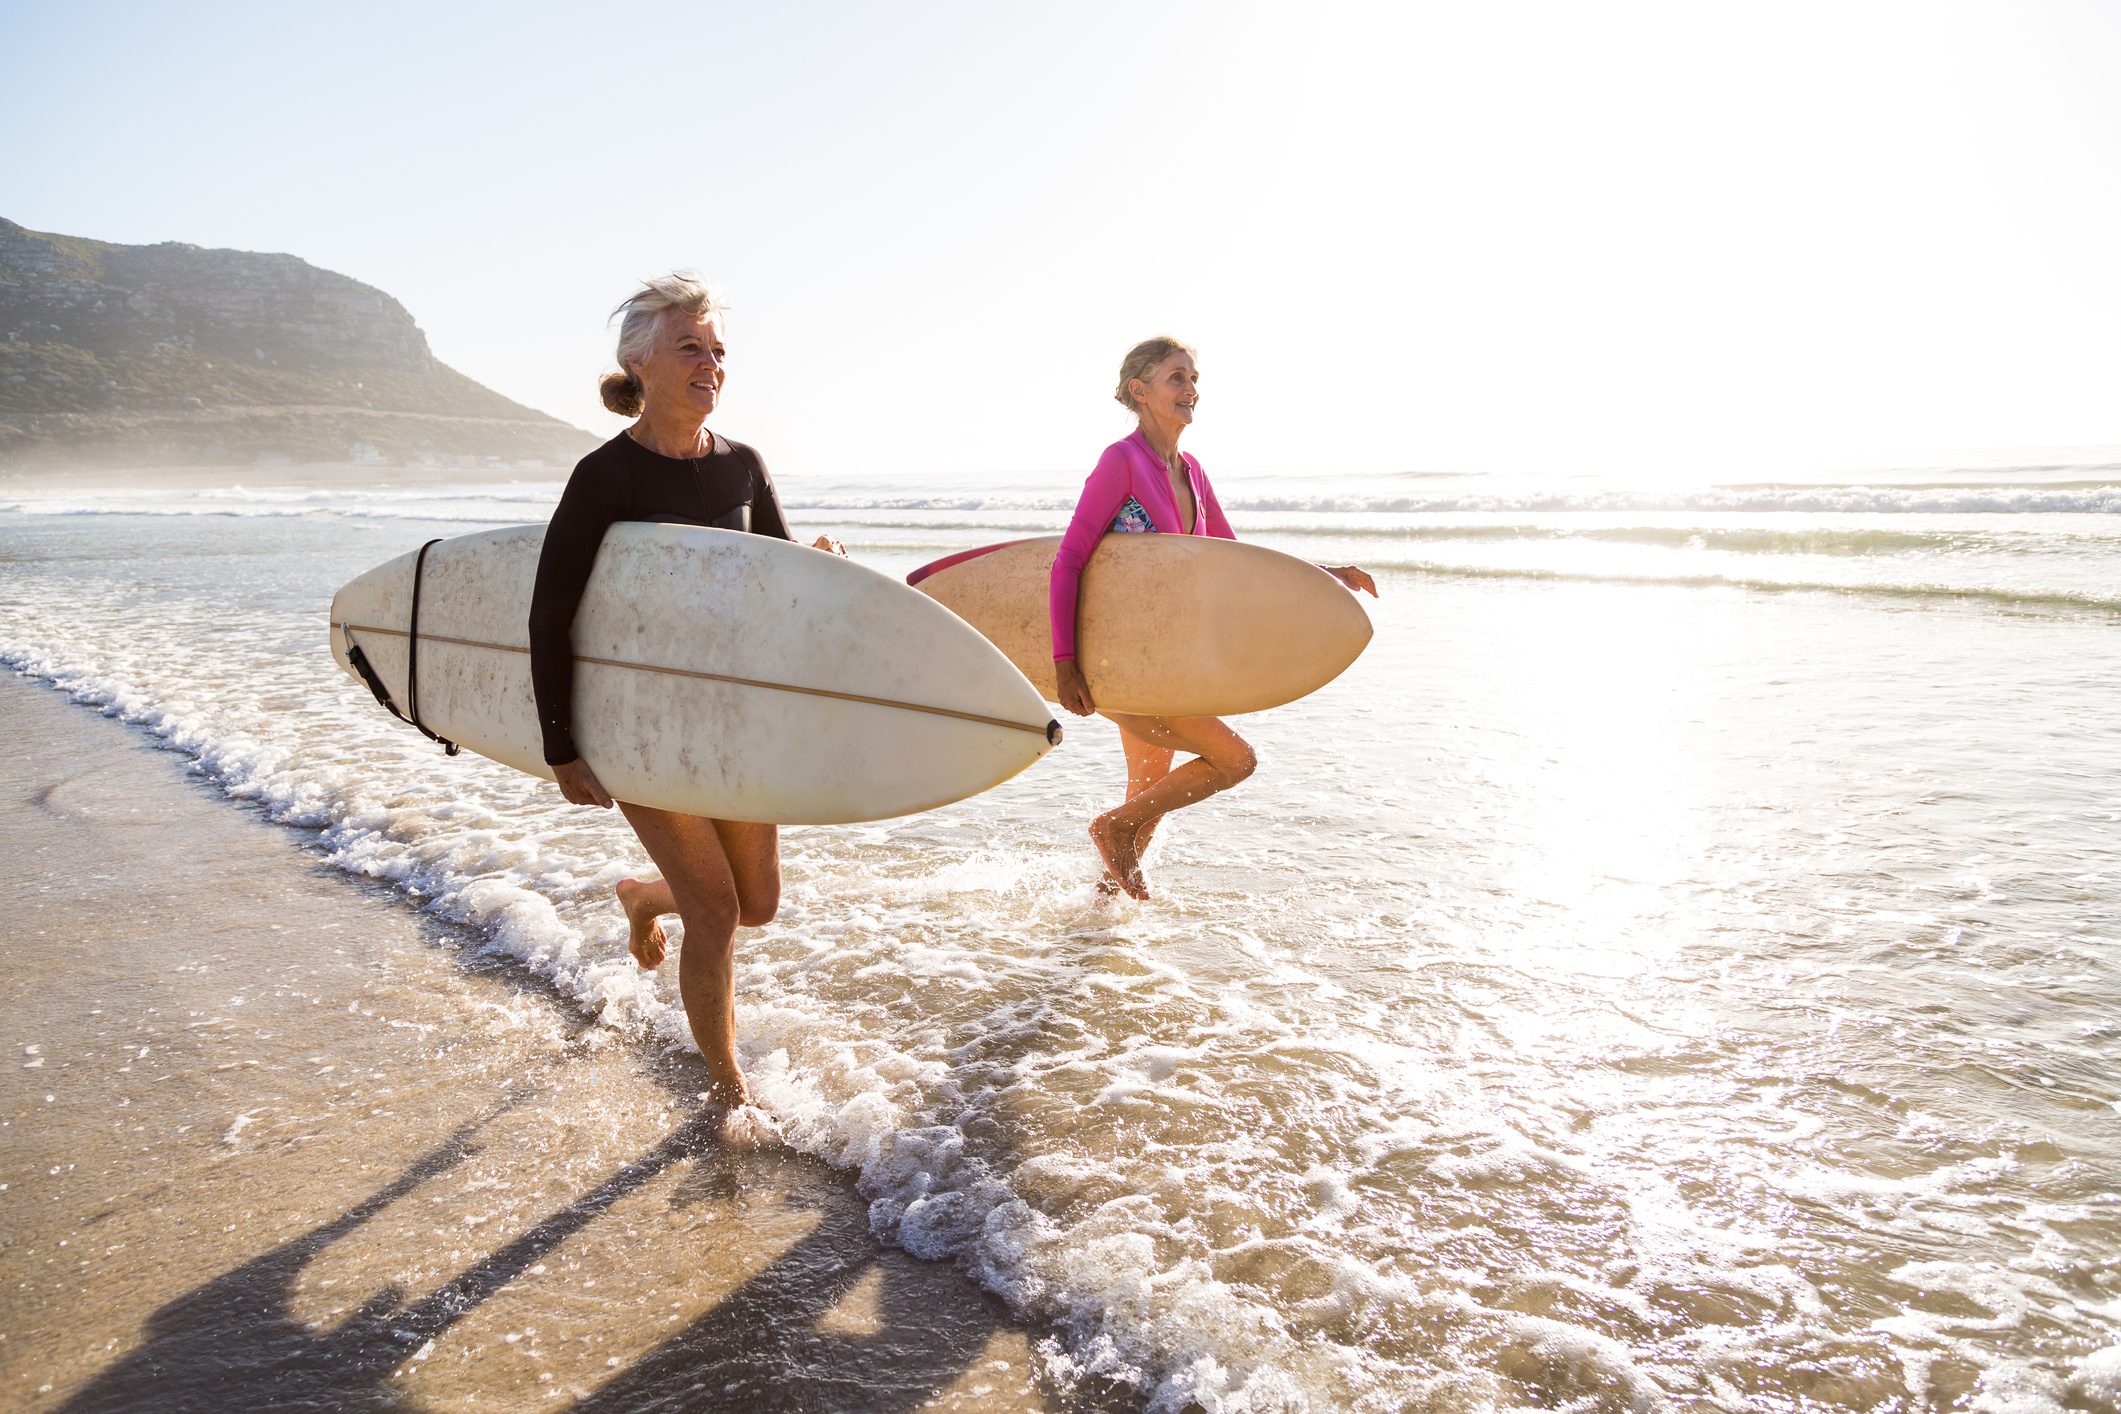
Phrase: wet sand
(274, 1139)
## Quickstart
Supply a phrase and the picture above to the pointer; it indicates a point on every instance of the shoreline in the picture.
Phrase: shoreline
(276, 1137)
(306, 476)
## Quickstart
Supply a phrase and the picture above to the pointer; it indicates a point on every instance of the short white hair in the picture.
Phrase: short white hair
(640, 317)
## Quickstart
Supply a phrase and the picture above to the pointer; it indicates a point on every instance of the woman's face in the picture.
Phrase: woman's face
(1170, 391)
(686, 365)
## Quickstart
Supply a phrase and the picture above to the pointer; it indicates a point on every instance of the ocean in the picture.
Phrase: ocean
(1675, 968)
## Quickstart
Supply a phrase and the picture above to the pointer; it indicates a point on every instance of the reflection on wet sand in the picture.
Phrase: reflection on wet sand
(235, 1342)
(467, 1197)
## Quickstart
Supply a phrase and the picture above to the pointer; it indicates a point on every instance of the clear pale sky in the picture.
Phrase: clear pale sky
(1691, 238)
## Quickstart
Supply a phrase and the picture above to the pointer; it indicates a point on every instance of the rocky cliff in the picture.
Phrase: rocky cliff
(172, 354)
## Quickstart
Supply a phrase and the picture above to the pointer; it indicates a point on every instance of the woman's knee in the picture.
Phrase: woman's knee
(758, 892)
(754, 858)
(712, 919)
(1236, 764)
(757, 907)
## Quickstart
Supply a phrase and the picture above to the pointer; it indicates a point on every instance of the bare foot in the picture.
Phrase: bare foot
(1142, 837)
(645, 939)
(728, 1091)
(1116, 846)
(1106, 884)
(746, 1126)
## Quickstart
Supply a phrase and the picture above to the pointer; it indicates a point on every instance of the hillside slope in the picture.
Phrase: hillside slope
(145, 355)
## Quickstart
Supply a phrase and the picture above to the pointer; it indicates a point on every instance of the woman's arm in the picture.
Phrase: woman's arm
(570, 551)
(766, 516)
(1103, 494)
(1353, 576)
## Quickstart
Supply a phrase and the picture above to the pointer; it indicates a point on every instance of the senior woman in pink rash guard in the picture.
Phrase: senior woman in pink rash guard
(1144, 484)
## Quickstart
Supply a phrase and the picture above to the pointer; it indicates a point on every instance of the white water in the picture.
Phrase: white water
(1623, 989)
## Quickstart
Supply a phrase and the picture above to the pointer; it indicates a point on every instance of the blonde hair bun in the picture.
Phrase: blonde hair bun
(1141, 361)
(621, 393)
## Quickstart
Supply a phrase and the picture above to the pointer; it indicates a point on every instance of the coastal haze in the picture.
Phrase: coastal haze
(1539, 238)
(134, 357)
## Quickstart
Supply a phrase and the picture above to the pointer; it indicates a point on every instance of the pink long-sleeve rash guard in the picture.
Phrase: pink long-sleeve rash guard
(1129, 490)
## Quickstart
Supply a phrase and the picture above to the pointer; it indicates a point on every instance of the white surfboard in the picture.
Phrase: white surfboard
(716, 673)
(1168, 625)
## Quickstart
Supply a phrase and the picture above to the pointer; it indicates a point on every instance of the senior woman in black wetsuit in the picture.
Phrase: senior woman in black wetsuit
(666, 467)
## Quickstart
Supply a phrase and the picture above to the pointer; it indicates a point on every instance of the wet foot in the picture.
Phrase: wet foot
(645, 937)
(747, 1126)
(728, 1091)
(1115, 845)
(1142, 837)
(726, 1104)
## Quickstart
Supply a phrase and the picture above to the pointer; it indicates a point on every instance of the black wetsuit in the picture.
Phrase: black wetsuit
(622, 480)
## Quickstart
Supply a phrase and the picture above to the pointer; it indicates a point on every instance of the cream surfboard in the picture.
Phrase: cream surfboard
(1169, 625)
(716, 673)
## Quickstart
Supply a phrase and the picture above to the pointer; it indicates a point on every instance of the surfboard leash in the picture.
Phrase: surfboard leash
(360, 664)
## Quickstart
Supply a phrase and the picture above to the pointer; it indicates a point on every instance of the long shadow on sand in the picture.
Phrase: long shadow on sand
(234, 1344)
(763, 1347)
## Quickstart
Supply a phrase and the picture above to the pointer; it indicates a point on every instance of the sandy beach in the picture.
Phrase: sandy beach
(275, 1139)
(1675, 968)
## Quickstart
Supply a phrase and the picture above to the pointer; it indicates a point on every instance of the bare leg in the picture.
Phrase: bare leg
(697, 872)
(1146, 765)
(755, 862)
(754, 855)
(1221, 759)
